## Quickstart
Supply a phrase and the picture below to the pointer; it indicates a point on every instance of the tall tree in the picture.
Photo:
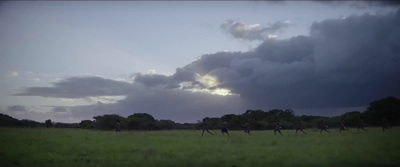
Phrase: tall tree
(141, 121)
(108, 121)
(48, 123)
(387, 108)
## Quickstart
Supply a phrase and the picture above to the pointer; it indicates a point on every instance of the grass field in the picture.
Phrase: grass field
(69, 147)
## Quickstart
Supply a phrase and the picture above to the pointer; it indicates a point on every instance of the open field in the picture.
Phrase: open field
(69, 147)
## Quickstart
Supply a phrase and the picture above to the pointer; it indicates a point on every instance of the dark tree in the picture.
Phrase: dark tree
(48, 123)
(86, 124)
(141, 121)
(351, 118)
(8, 121)
(227, 117)
(108, 121)
(387, 108)
(165, 124)
(30, 123)
(237, 122)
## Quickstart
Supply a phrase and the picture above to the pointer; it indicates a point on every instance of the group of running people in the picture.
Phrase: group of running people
(277, 128)
(360, 126)
(224, 129)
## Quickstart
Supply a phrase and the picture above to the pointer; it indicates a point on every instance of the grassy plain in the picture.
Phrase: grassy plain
(70, 147)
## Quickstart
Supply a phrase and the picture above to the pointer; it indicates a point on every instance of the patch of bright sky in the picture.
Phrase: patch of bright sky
(211, 82)
(113, 39)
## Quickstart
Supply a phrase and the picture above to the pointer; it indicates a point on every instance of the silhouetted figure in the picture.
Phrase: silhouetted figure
(205, 128)
(299, 127)
(118, 126)
(385, 125)
(277, 127)
(224, 128)
(342, 127)
(247, 128)
(324, 127)
(361, 125)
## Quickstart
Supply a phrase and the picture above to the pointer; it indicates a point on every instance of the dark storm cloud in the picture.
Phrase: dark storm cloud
(59, 109)
(298, 48)
(152, 80)
(79, 87)
(343, 63)
(254, 31)
(16, 108)
(361, 4)
(174, 81)
(389, 3)
(210, 62)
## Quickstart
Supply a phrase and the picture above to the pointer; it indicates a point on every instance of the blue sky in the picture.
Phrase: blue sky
(44, 43)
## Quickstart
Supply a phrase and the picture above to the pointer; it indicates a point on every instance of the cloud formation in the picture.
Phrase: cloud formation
(16, 108)
(80, 87)
(59, 109)
(173, 104)
(361, 4)
(253, 31)
(344, 63)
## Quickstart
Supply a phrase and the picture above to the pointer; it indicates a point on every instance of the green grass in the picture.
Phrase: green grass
(69, 147)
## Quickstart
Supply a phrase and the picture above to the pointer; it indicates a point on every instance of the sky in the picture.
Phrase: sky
(185, 60)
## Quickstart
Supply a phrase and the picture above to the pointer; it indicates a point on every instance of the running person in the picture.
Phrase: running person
(385, 125)
(205, 128)
(324, 127)
(224, 129)
(118, 126)
(299, 127)
(361, 125)
(277, 127)
(247, 128)
(342, 127)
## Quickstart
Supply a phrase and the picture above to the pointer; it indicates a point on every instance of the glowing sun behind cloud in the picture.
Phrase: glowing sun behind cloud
(210, 84)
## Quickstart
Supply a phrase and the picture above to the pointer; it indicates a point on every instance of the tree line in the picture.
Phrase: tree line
(386, 109)
(8, 121)
(137, 121)
(383, 110)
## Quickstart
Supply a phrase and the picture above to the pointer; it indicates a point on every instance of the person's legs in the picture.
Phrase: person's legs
(385, 127)
(247, 130)
(303, 131)
(327, 130)
(224, 130)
